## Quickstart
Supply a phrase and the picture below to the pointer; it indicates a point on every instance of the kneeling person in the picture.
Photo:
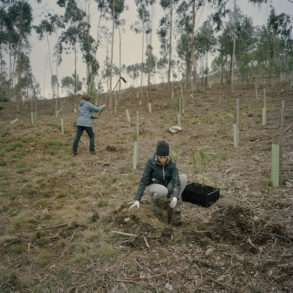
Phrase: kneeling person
(160, 178)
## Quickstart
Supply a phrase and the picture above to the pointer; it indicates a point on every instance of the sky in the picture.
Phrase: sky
(42, 51)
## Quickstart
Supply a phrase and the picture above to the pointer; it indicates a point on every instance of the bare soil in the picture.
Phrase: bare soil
(65, 225)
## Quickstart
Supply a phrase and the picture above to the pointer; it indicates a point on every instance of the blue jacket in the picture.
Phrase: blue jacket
(86, 109)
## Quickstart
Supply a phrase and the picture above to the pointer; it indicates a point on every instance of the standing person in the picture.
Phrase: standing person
(84, 122)
(160, 178)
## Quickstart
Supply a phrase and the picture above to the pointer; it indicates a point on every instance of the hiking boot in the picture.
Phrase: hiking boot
(176, 219)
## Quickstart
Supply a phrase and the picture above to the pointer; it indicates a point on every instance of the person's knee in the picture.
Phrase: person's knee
(158, 191)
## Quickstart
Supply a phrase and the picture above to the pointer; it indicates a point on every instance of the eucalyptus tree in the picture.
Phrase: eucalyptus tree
(133, 70)
(280, 28)
(143, 8)
(71, 84)
(205, 42)
(163, 36)
(245, 33)
(237, 40)
(74, 31)
(114, 9)
(15, 28)
(150, 64)
(274, 44)
(166, 32)
(187, 12)
(48, 27)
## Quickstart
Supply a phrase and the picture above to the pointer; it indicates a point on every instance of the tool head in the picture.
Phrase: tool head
(123, 79)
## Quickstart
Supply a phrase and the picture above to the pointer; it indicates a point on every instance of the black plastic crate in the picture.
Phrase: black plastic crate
(200, 194)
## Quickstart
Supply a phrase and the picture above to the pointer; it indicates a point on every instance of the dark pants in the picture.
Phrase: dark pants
(79, 131)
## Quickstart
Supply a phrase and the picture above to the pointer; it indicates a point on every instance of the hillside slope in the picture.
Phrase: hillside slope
(59, 215)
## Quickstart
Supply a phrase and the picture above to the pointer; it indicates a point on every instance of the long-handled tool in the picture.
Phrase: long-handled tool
(118, 81)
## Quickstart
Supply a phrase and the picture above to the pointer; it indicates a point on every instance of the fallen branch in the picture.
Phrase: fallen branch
(223, 285)
(124, 234)
(252, 244)
(8, 242)
(127, 281)
(137, 279)
(287, 128)
(53, 227)
(146, 242)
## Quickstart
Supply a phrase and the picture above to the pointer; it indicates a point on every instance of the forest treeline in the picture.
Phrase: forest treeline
(235, 46)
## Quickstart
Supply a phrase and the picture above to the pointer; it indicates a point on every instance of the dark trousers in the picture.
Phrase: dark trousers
(79, 131)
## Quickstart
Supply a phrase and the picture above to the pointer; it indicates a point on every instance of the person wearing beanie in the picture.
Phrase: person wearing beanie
(160, 178)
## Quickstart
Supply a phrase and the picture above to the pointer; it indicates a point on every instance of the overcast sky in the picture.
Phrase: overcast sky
(131, 42)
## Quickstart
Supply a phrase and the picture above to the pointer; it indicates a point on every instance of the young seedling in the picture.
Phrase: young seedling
(236, 131)
(264, 109)
(200, 162)
(256, 91)
(62, 125)
(282, 115)
(135, 144)
(135, 155)
(150, 107)
(276, 165)
(32, 118)
(235, 135)
(128, 116)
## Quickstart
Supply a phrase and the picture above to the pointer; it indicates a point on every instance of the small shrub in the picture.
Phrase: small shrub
(14, 146)
(22, 168)
(106, 251)
(55, 144)
(102, 203)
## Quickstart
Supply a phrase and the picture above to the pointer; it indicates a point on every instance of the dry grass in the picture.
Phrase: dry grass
(58, 213)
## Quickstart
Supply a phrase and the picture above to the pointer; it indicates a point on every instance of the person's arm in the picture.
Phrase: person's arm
(94, 108)
(144, 181)
(175, 187)
(174, 190)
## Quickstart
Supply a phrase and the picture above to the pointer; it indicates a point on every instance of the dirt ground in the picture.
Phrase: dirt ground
(65, 225)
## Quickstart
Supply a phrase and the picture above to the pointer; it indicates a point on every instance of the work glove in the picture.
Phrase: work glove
(135, 204)
(173, 202)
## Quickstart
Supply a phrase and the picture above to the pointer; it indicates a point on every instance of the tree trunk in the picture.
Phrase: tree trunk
(120, 57)
(187, 70)
(50, 66)
(149, 55)
(222, 72)
(112, 47)
(170, 43)
(142, 59)
(207, 70)
(88, 70)
(193, 56)
(231, 66)
(75, 73)
(1, 59)
(142, 56)
(233, 59)
(58, 107)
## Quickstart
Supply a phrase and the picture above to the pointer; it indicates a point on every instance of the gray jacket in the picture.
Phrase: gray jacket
(86, 109)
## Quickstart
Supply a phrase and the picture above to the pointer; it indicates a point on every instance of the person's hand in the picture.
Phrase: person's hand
(103, 107)
(135, 204)
(173, 202)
